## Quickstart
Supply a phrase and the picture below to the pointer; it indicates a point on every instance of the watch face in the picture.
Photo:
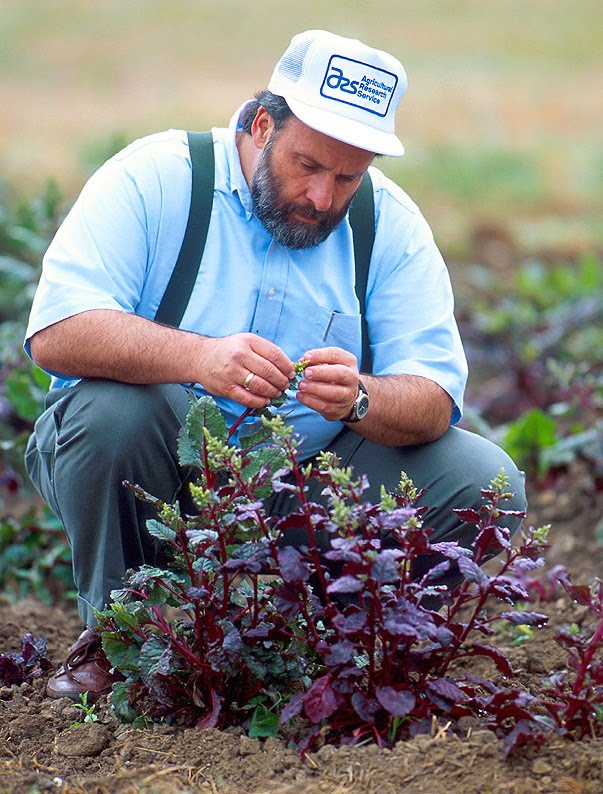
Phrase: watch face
(362, 406)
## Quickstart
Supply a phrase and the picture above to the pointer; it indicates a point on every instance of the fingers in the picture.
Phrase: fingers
(330, 355)
(330, 383)
(244, 368)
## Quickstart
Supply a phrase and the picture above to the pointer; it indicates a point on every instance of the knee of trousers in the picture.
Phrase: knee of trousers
(481, 462)
(468, 463)
(452, 469)
(114, 419)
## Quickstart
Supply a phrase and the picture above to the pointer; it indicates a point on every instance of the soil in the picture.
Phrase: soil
(42, 750)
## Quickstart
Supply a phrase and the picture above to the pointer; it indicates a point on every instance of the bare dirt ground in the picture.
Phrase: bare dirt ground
(41, 749)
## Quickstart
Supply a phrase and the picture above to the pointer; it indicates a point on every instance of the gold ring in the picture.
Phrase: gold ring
(247, 380)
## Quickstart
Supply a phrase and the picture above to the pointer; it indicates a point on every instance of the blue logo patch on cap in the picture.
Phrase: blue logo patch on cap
(359, 84)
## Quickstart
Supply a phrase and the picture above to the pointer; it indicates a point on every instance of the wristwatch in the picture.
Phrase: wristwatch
(361, 405)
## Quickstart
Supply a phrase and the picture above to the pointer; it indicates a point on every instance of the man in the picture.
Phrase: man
(275, 284)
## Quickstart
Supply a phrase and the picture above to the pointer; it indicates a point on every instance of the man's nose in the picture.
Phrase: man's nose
(320, 193)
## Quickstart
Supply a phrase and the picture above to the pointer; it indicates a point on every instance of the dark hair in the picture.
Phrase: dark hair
(276, 106)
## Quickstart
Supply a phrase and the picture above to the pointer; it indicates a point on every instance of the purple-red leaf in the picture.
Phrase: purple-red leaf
(211, 720)
(519, 618)
(398, 702)
(447, 689)
(339, 653)
(365, 706)
(471, 571)
(385, 567)
(292, 709)
(345, 584)
(286, 601)
(578, 592)
(321, 700)
(350, 624)
(292, 566)
(499, 658)
(468, 515)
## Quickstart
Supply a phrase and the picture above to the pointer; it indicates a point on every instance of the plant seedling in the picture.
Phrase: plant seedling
(88, 709)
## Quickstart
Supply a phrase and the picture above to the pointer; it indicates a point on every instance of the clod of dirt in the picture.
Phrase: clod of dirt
(83, 741)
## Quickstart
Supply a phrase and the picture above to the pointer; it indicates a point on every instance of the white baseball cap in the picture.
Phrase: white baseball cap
(343, 89)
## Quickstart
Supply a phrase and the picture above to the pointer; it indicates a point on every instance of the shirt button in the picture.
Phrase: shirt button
(271, 292)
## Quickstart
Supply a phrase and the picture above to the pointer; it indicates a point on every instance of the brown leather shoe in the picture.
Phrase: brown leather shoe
(86, 669)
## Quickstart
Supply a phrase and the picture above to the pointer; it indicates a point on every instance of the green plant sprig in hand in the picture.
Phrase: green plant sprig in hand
(276, 402)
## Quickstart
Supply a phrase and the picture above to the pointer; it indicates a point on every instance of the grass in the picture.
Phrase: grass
(501, 120)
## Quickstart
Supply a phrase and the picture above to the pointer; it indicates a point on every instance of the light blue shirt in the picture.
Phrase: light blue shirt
(118, 245)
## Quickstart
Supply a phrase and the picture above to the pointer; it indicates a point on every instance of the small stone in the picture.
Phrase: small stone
(71, 714)
(327, 751)
(249, 746)
(540, 767)
(468, 724)
(272, 744)
(536, 664)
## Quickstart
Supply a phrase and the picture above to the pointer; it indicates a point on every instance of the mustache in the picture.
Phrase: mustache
(310, 212)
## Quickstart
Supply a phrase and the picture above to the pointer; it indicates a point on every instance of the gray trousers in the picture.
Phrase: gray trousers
(95, 435)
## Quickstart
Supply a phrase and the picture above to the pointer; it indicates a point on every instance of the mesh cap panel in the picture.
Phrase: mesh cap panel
(292, 62)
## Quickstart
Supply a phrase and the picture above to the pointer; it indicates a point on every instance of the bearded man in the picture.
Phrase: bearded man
(275, 283)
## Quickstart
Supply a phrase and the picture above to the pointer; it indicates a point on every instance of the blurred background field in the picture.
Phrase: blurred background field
(502, 121)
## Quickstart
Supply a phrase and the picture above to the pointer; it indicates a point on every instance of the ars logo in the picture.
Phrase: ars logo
(336, 79)
(359, 84)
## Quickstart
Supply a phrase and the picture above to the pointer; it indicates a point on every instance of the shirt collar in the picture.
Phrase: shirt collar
(238, 183)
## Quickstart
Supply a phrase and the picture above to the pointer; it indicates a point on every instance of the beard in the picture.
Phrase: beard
(275, 215)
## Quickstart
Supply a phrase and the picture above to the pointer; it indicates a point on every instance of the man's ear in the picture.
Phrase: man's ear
(261, 127)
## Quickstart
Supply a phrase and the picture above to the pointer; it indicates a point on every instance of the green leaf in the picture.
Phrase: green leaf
(160, 531)
(26, 391)
(125, 616)
(205, 413)
(150, 660)
(528, 437)
(271, 456)
(260, 436)
(590, 274)
(263, 723)
(189, 453)
(120, 699)
(122, 654)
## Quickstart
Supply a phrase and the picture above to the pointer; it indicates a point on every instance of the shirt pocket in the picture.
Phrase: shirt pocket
(334, 329)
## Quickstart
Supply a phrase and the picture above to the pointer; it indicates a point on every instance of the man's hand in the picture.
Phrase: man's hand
(245, 368)
(330, 383)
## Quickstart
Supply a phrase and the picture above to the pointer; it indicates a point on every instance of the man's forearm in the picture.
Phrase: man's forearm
(109, 344)
(404, 409)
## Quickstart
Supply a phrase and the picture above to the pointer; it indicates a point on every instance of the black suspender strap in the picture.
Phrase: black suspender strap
(180, 287)
(362, 221)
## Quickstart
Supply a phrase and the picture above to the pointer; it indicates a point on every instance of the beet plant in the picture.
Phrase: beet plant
(22, 667)
(343, 642)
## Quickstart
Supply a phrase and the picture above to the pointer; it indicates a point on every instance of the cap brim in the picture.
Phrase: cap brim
(347, 130)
